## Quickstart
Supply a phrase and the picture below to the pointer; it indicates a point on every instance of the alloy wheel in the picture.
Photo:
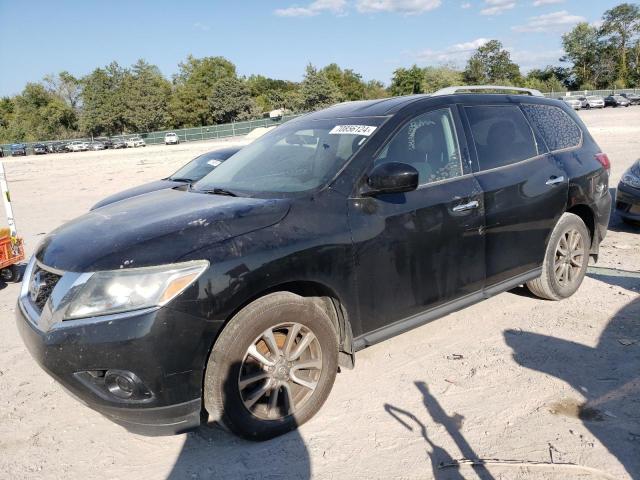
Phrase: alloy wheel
(280, 371)
(570, 257)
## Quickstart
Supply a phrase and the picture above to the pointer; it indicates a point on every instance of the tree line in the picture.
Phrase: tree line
(114, 99)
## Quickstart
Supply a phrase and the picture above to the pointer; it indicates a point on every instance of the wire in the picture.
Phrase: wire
(522, 463)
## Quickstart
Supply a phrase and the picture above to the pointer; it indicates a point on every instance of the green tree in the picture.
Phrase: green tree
(582, 48)
(65, 86)
(374, 89)
(146, 94)
(230, 101)
(349, 83)
(407, 81)
(435, 78)
(193, 85)
(103, 102)
(317, 91)
(621, 24)
(35, 114)
(490, 64)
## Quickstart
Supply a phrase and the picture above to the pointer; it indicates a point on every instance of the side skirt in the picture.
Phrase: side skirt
(409, 323)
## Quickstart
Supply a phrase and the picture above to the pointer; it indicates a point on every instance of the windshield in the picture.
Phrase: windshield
(202, 165)
(594, 98)
(298, 156)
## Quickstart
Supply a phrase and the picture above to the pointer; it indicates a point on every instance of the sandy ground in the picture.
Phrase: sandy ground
(513, 378)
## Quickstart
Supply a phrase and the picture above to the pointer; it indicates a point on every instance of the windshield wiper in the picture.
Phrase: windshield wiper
(220, 191)
(180, 179)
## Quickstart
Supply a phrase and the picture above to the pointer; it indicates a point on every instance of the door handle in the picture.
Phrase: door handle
(466, 206)
(553, 180)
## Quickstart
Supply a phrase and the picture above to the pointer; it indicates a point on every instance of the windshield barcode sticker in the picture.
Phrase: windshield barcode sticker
(352, 130)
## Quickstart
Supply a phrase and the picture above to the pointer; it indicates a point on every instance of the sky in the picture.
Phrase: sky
(278, 38)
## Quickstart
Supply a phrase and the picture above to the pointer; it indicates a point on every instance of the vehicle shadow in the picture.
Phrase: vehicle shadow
(440, 458)
(618, 277)
(212, 452)
(608, 375)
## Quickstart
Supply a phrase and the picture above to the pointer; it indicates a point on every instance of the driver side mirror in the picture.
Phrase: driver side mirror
(392, 177)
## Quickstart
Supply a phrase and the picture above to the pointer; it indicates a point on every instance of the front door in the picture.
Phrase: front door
(423, 248)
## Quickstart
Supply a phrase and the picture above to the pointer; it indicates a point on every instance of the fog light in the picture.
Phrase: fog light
(123, 385)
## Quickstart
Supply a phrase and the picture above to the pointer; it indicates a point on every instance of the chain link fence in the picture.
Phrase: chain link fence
(209, 132)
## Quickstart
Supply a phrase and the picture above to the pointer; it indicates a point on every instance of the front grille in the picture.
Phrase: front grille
(41, 285)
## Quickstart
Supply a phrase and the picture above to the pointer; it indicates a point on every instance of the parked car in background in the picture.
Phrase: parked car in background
(18, 150)
(77, 146)
(238, 298)
(616, 101)
(135, 141)
(592, 101)
(57, 147)
(1, 152)
(170, 138)
(628, 195)
(573, 102)
(106, 141)
(634, 98)
(96, 146)
(191, 172)
(39, 149)
(118, 142)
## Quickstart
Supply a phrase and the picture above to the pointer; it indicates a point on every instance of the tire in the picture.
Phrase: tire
(10, 274)
(550, 284)
(224, 398)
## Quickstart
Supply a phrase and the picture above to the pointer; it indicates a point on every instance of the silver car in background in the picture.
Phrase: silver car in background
(573, 102)
(592, 101)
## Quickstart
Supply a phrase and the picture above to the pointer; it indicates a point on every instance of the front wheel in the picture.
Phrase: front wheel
(565, 261)
(272, 367)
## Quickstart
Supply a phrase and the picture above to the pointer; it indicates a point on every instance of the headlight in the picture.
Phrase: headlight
(632, 176)
(119, 291)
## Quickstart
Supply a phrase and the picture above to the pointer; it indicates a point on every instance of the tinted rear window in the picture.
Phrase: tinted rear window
(556, 127)
(501, 134)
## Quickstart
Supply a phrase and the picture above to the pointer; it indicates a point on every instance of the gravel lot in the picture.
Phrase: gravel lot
(513, 378)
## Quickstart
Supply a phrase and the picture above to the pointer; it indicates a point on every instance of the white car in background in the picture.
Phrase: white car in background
(592, 101)
(170, 138)
(135, 141)
(78, 146)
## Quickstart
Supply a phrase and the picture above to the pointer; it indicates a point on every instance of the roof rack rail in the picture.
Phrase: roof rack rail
(460, 89)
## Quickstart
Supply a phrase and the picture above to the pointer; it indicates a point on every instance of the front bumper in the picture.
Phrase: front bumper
(131, 344)
(628, 202)
(163, 350)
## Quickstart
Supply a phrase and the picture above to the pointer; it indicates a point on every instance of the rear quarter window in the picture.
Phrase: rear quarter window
(557, 128)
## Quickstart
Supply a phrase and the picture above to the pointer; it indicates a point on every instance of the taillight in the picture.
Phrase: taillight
(604, 160)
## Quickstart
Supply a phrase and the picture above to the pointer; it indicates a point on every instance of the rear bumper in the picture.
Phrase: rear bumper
(628, 202)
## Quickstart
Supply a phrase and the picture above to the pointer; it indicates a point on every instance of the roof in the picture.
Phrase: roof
(367, 108)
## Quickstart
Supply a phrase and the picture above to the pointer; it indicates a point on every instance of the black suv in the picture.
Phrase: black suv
(241, 294)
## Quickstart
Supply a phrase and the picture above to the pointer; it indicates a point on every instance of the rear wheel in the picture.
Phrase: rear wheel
(272, 367)
(566, 260)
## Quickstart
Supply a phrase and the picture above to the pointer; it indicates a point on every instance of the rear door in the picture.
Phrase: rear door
(525, 188)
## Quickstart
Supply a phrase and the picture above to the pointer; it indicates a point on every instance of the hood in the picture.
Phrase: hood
(154, 229)
(135, 191)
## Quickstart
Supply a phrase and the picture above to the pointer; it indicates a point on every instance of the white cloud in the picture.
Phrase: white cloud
(453, 53)
(317, 7)
(550, 21)
(407, 7)
(496, 7)
(540, 3)
(528, 59)
(465, 5)
(201, 26)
